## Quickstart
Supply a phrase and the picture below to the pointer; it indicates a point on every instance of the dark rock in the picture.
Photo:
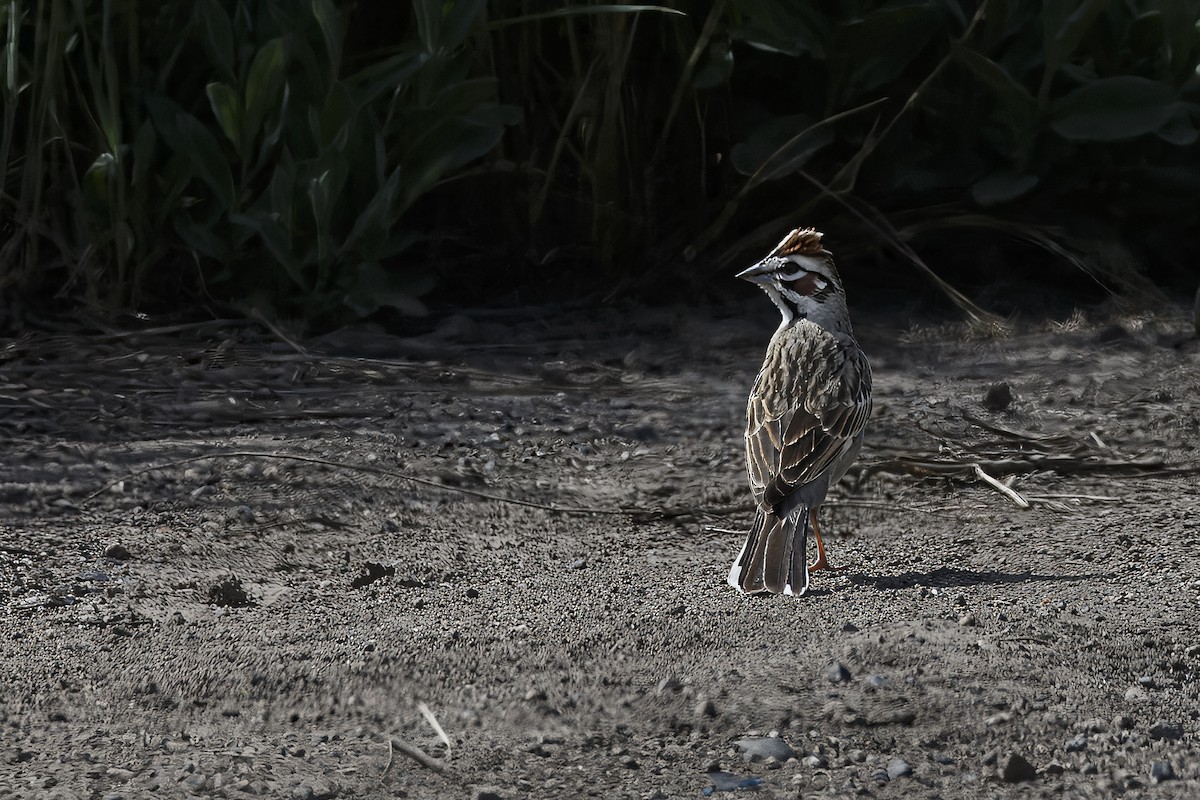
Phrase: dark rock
(1015, 769)
(999, 397)
(705, 708)
(486, 793)
(228, 593)
(117, 552)
(372, 571)
(1163, 729)
(1077, 744)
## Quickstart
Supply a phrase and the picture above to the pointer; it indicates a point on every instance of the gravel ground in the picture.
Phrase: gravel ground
(490, 562)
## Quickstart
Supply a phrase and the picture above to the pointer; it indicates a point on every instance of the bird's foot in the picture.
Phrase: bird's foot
(822, 564)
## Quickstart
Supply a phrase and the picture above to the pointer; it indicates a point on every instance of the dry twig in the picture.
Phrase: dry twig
(415, 753)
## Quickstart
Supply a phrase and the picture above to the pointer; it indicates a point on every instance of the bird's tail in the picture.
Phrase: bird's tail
(773, 557)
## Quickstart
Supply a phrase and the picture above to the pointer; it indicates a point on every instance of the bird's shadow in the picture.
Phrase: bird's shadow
(953, 576)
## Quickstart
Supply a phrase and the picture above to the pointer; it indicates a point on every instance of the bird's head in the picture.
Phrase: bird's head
(800, 278)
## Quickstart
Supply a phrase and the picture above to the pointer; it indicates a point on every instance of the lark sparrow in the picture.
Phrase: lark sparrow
(805, 416)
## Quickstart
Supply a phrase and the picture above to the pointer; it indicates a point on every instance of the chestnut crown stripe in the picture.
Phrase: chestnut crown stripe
(802, 241)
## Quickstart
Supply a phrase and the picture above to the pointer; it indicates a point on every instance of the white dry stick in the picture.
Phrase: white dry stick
(1012, 494)
(433, 723)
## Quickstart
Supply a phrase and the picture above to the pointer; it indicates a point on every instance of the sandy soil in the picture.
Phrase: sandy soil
(231, 568)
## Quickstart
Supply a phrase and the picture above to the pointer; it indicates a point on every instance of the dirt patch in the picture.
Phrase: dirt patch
(234, 567)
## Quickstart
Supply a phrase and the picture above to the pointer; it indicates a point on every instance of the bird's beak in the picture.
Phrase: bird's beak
(757, 273)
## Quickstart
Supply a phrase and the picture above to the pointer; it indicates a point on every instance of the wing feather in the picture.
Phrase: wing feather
(808, 408)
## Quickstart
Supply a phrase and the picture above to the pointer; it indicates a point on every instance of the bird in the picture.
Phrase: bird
(805, 416)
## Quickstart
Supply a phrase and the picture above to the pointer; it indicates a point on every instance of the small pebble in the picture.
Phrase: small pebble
(968, 620)
(1077, 744)
(1161, 771)
(578, 563)
(837, 673)
(194, 783)
(1122, 722)
(728, 782)
(898, 768)
(1136, 694)
(849, 627)
(813, 761)
(1147, 681)
(705, 708)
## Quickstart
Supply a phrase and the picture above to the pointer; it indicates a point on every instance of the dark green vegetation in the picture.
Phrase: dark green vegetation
(325, 161)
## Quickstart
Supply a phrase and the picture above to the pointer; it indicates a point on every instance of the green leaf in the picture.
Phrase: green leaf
(390, 74)
(277, 241)
(790, 28)
(227, 108)
(337, 114)
(717, 67)
(1019, 107)
(457, 22)
(870, 52)
(209, 163)
(1112, 109)
(333, 29)
(96, 180)
(216, 35)
(1062, 31)
(262, 88)
(143, 152)
(429, 19)
(779, 147)
(1179, 129)
(201, 238)
(377, 213)
(584, 11)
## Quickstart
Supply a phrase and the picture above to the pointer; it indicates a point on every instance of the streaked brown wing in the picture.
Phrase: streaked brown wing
(810, 401)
